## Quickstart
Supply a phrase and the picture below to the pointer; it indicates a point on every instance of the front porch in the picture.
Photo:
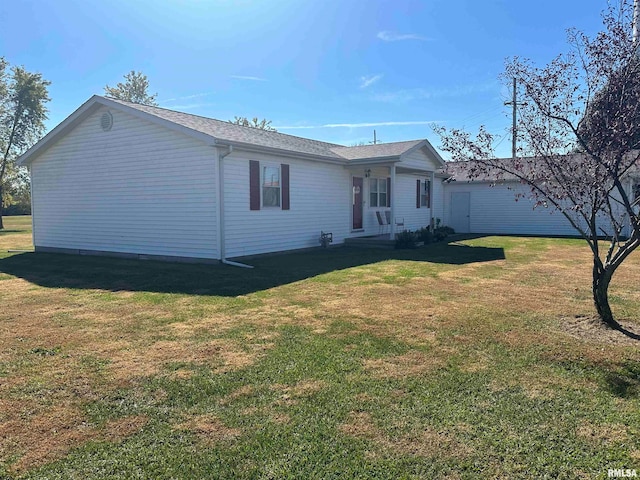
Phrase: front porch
(387, 198)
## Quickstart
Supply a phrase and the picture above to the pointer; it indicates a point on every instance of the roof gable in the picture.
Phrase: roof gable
(218, 132)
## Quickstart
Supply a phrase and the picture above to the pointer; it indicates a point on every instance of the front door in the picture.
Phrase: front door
(356, 196)
(460, 211)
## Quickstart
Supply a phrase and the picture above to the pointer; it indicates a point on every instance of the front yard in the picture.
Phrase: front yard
(473, 359)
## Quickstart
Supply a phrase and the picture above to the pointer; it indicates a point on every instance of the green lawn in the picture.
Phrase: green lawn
(473, 359)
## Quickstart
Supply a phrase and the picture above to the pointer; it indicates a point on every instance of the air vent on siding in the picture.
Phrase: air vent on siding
(106, 121)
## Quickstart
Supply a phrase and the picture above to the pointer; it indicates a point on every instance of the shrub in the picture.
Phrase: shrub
(406, 239)
(425, 235)
(440, 233)
(17, 209)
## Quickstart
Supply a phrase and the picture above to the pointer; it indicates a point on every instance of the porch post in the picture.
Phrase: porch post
(392, 227)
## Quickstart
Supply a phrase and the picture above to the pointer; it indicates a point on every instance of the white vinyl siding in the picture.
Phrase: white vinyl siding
(419, 160)
(405, 196)
(495, 210)
(138, 188)
(320, 198)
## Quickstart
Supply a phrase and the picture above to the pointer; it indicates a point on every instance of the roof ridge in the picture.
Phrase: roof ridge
(133, 104)
(381, 143)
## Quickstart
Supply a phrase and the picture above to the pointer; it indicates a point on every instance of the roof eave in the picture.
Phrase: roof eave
(248, 147)
(374, 160)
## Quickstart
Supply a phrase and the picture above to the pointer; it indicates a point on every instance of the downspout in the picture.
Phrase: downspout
(33, 215)
(221, 230)
(392, 201)
(432, 182)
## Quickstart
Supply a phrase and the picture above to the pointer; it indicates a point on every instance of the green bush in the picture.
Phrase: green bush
(425, 235)
(406, 239)
(440, 233)
(17, 209)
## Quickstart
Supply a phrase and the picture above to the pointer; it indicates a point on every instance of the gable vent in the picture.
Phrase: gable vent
(106, 121)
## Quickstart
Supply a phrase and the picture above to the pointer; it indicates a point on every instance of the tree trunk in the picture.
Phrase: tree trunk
(1, 224)
(600, 287)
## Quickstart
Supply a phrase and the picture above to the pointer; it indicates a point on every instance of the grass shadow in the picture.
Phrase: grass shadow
(115, 274)
(624, 382)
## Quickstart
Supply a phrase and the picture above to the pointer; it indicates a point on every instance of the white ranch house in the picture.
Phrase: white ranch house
(125, 179)
(118, 178)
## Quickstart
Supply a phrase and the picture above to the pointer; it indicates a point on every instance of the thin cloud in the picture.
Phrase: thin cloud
(368, 80)
(388, 36)
(358, 125)
(247, 77)
(407, 95)
(192, 106)
(186, 97)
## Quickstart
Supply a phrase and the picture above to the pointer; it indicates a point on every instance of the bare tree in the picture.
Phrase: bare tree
(579, 132)
(23, 96)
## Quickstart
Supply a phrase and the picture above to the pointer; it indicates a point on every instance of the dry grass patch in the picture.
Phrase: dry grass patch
(598, 434)
(50, 435)
(120, 428)
(541, 382)
(291, 393)
(221, 355)
(426, 443)
(16, 241)
(590, 328)
(210, 429)
(413, 363)
(244, 391)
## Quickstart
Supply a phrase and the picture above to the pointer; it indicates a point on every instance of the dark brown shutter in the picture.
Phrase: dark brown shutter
(388, 192)
(428, 193)
(418, 194)
(285, 186)
(254, 185)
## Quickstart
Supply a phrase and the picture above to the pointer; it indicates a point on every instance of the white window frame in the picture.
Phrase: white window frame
(263, 167)
(379, 181)
(424, 193)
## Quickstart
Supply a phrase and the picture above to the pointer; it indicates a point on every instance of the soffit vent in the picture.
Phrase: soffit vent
(106, 121)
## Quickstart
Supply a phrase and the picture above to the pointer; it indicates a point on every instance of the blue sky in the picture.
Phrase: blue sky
(332, 70)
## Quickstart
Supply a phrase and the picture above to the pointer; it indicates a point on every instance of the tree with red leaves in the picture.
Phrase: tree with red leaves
(579, 143)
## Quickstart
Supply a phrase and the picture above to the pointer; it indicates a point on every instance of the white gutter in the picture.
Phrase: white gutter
(432, 198)
(33, 212)
(220, 211)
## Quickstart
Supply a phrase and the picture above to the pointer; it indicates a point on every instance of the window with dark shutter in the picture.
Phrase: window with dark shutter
(254, 185)
(285, 187)
(271, 186)
(425, 194)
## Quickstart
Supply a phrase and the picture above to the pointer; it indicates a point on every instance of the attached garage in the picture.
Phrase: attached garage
(483, 208)
(502, 207)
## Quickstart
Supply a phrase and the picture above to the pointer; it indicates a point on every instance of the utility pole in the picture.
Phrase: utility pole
(635, 22)
(375, 140)
(514, 131)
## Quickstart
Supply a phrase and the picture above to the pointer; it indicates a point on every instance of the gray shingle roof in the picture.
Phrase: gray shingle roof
(233, 133)
(380, 150)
